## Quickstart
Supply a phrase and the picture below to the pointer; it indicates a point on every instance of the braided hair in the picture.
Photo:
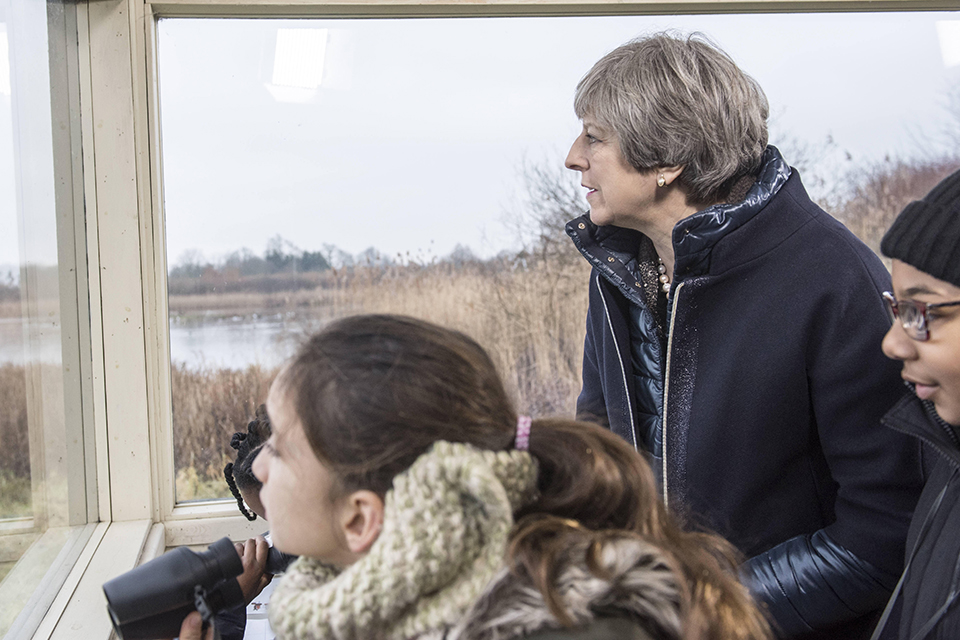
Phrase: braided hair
(239, 474)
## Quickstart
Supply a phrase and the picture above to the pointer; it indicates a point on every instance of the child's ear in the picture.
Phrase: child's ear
(361, 519)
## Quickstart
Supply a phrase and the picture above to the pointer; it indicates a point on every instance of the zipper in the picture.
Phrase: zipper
(623, 370)
(666, 391)
(919, 435)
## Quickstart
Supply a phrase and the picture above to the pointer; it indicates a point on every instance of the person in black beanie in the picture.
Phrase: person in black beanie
(924, 307)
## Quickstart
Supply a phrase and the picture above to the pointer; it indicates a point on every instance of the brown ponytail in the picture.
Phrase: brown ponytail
(595, 489)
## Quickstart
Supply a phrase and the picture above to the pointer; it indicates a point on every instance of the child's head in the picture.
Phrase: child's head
(924, 243)
(239, 474)
(367, 396)
(364, 398)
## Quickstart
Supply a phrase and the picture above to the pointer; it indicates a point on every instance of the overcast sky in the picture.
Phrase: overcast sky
(414, 138)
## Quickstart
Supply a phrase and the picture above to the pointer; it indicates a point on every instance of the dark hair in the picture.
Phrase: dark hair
(375, 392)
(239, 474)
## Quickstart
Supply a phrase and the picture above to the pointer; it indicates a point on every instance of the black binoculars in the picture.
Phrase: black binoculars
(152, 600)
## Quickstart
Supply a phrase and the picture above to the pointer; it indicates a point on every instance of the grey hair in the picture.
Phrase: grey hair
(675, 100)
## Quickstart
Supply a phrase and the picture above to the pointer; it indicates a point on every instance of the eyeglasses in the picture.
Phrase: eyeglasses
(912, 314)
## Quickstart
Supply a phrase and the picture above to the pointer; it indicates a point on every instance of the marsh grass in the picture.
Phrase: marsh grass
(882, 191)
(529, 318)
(15, 499)
(209, 405)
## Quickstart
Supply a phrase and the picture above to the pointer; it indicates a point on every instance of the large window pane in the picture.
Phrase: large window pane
(40, 514)
(317, 168)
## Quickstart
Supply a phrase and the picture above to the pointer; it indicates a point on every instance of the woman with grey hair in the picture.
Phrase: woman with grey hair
(732, 334)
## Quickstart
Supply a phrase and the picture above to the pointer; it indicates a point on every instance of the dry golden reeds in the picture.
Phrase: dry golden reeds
(14, 443)
(209, 405)
(530, 319)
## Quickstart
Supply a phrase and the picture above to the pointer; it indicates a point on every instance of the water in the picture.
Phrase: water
(45, 343)
(220, 342)
(236, 342)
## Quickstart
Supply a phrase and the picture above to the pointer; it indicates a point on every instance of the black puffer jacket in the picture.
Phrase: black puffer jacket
(929, 604)
(760, 401)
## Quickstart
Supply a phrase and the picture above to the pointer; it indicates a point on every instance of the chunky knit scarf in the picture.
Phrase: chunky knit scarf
(447, 520)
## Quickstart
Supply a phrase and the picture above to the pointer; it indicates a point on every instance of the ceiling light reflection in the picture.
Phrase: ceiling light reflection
(298, 64)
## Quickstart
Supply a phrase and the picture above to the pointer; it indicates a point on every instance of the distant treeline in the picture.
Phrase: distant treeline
(284, 267)
(279, 257)
(9, 292)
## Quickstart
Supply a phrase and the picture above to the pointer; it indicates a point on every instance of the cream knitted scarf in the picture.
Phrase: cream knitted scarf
(447, 520)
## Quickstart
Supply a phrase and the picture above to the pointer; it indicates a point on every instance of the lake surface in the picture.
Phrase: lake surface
(45, 342)
(236, 342)
(219, 342)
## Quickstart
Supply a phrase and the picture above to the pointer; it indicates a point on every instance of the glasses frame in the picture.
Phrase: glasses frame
(919, 331)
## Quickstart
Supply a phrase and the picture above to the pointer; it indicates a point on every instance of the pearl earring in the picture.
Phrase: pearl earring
(661, 181)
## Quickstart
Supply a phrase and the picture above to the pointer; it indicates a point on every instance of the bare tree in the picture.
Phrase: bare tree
(552, 196)
(952, 134)
(880, 193)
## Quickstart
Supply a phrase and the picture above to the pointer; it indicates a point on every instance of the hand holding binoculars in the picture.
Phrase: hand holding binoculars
(152, 600)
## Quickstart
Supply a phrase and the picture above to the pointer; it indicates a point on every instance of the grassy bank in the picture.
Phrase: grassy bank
(14, 448)
(530, 319)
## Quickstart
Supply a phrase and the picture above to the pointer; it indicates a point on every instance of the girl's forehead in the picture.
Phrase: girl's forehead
(908, 282)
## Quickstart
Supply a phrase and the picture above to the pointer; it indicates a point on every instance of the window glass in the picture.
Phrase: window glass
(37, 533)
(318, 168)
(14, 470)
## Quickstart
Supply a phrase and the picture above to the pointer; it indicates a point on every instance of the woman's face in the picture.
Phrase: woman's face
(297, 488)
(933, 365)
(618, 194)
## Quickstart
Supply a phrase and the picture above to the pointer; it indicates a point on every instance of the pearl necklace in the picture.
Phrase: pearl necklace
(664, 278)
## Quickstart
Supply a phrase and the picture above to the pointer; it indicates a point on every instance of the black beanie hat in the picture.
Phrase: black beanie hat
(926, 234)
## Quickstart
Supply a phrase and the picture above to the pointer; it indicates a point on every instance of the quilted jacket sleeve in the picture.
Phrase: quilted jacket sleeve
(810, 582)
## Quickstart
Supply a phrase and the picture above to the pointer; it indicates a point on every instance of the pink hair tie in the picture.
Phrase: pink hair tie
(523, 433)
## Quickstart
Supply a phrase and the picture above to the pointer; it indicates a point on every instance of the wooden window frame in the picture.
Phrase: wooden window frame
(125, 402)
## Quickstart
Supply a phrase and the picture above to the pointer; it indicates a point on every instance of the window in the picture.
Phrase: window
(318, 168)
(44, 500)
(120, 221)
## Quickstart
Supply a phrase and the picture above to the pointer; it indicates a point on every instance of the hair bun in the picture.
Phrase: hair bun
(237, 439)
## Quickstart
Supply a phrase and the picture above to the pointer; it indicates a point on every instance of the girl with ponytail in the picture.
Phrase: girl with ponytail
(423, 506)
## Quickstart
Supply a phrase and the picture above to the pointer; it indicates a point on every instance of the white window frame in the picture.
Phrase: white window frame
(125, 399)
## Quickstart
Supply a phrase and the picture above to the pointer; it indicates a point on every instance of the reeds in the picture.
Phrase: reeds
(14, 446)
(209, 405)
(529, 318)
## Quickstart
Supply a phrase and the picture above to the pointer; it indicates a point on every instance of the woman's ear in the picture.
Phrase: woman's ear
(361, 520)
(670, 173)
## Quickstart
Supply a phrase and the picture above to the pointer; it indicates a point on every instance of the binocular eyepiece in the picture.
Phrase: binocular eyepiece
(152, 600)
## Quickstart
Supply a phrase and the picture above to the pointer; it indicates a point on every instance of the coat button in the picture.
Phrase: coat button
(610, 259)
(638, 285)
(582, 226)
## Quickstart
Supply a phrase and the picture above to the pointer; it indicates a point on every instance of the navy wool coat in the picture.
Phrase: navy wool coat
(759, 397)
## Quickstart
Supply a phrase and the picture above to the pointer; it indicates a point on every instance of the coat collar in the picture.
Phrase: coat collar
(694, 237)
(918, 418)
